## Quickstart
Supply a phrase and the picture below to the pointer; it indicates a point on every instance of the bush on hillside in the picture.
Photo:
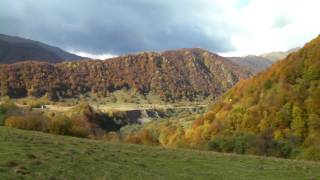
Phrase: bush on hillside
(80, 127)
(251, 144)
(2, 115)
(74, 126)
(112, 137)
(29, 122)
(15, 122)
(311, 153)
(59, 125)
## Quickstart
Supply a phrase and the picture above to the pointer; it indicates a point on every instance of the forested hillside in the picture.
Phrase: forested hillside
(275, 113)
(192, 74)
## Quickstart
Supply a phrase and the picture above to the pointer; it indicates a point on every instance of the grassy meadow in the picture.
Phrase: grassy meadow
(37, 155)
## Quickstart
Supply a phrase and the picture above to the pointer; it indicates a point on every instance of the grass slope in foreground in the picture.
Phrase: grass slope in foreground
(35, 155)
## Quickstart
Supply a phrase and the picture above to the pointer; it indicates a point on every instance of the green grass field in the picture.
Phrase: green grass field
(36, 155)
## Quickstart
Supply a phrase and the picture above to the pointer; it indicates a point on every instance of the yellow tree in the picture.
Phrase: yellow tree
(298, 124)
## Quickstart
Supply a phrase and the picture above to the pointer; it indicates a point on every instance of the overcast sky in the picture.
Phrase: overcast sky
(100, 28)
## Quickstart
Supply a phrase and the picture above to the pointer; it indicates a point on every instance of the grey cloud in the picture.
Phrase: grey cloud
(117, 26)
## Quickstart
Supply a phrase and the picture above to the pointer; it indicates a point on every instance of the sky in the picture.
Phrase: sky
(106, 28)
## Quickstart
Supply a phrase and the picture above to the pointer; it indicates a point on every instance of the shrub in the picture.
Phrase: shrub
(2, 115)
(129, 129)
(147, 136)
(133, 138)
(228, 144)
(75, 126)
(80, 127)
(311, 153)
(60, 125)
(240, 144)
(15, 122)
(112, 136)
(28, 122)
(281, 149)
(9, 108)
(243, 143)
(144, 136)
(215, 145)
(36, 122)
(222, 144)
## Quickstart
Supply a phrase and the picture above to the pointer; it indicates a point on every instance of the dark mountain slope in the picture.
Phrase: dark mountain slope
(15, 49)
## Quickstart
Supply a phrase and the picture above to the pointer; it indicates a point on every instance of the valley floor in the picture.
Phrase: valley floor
(36, 155)
(117, 107)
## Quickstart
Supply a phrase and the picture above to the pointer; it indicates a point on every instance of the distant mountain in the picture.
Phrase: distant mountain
(173, 75)
(262, 62)
(16, 49)
(275, 56)
(256, 63)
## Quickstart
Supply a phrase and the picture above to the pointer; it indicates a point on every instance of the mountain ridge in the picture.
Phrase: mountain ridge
(256, 63)
(178, 74)
(15, 49)
(278, 55)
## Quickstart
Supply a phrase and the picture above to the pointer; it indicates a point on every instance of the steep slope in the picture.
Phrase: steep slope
(173, 75)
(275, 113)
(15, 49)
(275, 56)
(256, 63)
